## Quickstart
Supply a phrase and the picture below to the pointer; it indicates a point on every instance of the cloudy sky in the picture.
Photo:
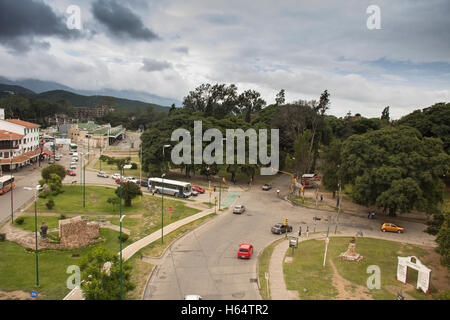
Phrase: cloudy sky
(168, 47)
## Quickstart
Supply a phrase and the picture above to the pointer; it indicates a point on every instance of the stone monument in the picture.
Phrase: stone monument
(350, 254)
(77, 233)
(43, 230)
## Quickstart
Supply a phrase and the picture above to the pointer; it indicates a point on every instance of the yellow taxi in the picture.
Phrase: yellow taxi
(387, 226)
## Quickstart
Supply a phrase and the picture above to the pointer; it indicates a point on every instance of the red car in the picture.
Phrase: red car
(123, 180)
(71, 173)
(245, 251)
(198, 189)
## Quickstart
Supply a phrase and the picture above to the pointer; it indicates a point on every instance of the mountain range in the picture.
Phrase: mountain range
(55, 91)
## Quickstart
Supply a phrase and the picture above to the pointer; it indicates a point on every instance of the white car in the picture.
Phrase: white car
(73, 166)
(116, 176)
(102, 174)
(133, 179)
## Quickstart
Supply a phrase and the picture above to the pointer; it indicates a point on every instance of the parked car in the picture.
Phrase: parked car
(51, 161)
(387, 226)
(115, 176)
(132, 179)
(280, 228)
(74, 158)
(123, 180)
(73, 166)
(71, 173)
(58, 157)
(198, 189)
(144, 183)
(194, 193)
(245, 251)
(102, 174)
(239, 209)
(266, 187)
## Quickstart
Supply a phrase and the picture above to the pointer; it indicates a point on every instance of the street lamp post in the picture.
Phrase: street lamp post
(162, 195)
(35, 189)
(12, 183)
(121, 274)
(84, 178)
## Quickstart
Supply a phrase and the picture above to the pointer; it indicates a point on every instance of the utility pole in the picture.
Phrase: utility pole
(326, 242)
(339, 207)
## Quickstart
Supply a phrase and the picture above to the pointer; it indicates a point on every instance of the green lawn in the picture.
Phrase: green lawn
(71, 202)
(17, 266)
(263, 267)
(306, 269)
(28, 223)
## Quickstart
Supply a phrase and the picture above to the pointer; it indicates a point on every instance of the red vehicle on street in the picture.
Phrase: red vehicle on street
(123, 180)
(245, 251)
(71, 173)
(198, 189)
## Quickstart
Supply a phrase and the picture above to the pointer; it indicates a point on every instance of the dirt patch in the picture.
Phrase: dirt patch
(402, 288)
(346, 289)
(14, 295)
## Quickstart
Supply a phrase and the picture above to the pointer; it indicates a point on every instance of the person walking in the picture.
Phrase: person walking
(300, 231)
(307, 232)
(368, 216)
(321, 197)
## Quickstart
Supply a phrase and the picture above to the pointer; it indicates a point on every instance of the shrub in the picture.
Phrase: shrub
(44, 194)
(134, 165)
(50, 204)
(2, 236)
(124, 237)
(19, 220)
(62, 217)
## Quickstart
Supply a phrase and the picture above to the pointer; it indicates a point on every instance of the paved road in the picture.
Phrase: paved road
(204, 261)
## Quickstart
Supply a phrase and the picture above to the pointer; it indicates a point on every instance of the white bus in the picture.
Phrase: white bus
(6, 183)
(171, 187)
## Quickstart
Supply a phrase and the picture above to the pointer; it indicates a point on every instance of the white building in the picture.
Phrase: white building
(19, 143)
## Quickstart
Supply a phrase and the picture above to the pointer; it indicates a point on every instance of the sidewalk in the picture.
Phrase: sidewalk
(128, 252)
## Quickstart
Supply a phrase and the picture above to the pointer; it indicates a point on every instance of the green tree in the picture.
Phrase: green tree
(385, 114)
(130, 190)
(395, 168)
(100, 274)
(54, 182)
(113, 201)
(332, 160)
(280, 98)
(53, 168)
(443, 240)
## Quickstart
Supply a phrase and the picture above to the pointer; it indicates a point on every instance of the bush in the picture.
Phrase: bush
(19, 220)
(50, 204)
(44, 194)
(134, 165)
(2, 237)
(124, 237)
(62, 217)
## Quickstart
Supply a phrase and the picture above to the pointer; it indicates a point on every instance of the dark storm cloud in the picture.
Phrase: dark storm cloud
(151, 65)
(21, 21)
(121, 21)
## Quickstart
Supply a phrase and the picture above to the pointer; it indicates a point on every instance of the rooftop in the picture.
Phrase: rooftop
(7, 135)
(23, 123)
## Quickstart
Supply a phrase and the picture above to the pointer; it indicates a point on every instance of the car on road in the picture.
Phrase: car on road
(388, 226)
(239, 209)
(132, 179)
(73, 166)
(102, 174)
(71, 173)
(194, 193)
(245, 251)
(51, 161)
(74, 158)
(123, 180)
(280, 228)
(116, 176)
(58, 157)
(192, 297)
(198, 189)
(266, 187)
(144, 183)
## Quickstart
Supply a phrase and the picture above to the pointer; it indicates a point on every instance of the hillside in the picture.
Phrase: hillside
(78, 100)
(6, 89)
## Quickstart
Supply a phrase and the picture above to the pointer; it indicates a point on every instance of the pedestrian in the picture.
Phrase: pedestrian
(307, 231)
(334, 194)
(368, 216)
(321, 197)
(373, 214)
(300, 231)
(153, 192)
(214, 188)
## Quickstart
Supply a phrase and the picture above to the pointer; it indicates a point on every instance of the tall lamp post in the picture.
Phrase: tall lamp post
(121, 274)
(162, 194)
(36, 190)
(12, 183)
(84, 178)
